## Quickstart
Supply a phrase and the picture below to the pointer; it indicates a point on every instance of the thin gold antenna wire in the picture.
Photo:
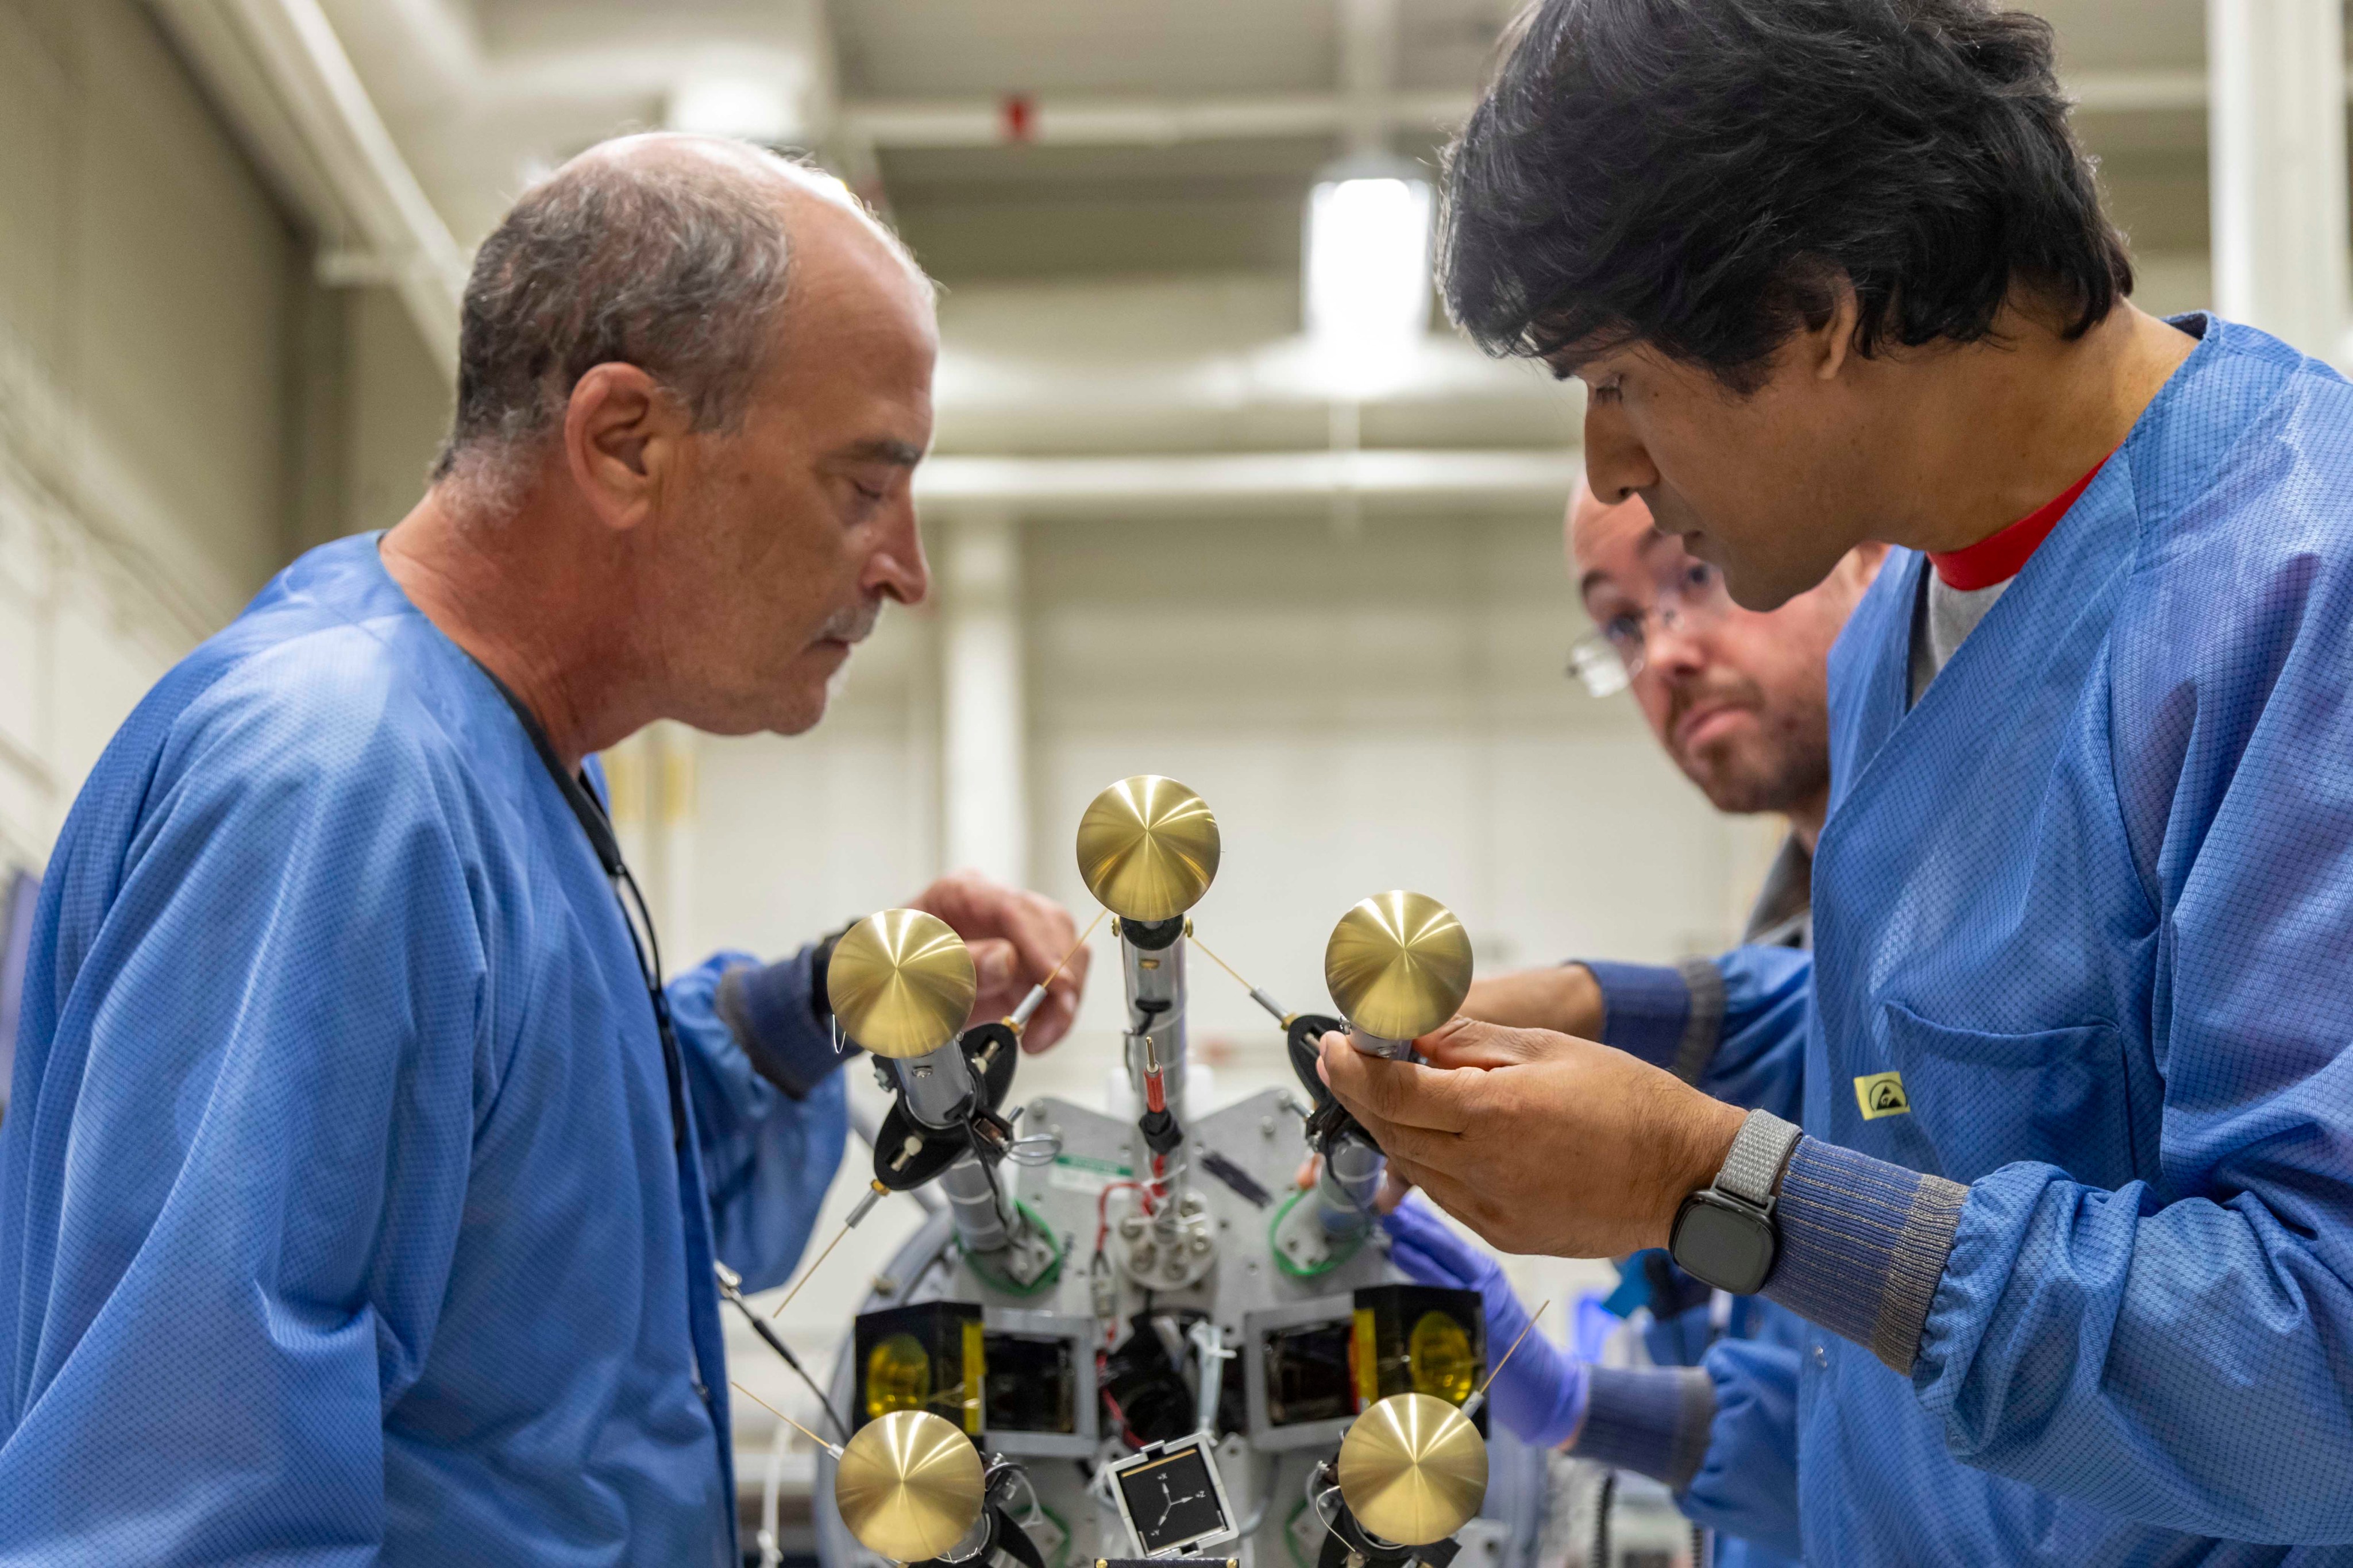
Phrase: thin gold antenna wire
(833, 1449)
(808, 1274)
(1533, 1320)
(1257, 995)
(1063, 963)
(1221, 963)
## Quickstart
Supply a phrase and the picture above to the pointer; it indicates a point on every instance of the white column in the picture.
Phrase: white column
(984, 780)
(2277, 160)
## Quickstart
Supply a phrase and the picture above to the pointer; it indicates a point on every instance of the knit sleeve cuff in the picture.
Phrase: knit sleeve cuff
(1864, 1246)
(1672, 1017)
(775, 1013)
(1652, 1420)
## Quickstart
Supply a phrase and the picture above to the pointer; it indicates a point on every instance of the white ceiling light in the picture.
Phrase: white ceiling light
(1368, 226)
(749, 108)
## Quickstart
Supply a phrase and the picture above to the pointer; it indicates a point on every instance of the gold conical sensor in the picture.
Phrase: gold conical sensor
(1413, 1470)
(1399, 964)
(908, 1485)
(902, 983)
(1147, 849)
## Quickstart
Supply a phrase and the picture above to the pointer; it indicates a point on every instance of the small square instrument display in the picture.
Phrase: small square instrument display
(1170, 1498)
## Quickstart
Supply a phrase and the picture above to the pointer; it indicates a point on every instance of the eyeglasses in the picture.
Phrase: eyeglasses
(1690, 600)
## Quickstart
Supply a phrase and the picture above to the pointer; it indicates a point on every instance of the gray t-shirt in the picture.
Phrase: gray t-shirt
(1945, 616)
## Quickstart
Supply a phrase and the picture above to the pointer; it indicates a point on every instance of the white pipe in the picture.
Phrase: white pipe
(1165, 122)
(280, 65)
(1133, 122)
(2136, 91)
(1051, 486)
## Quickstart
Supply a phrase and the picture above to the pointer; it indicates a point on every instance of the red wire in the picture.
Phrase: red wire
(1102, 1218)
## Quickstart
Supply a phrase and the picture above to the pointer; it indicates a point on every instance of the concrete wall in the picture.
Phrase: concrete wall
(146, 278)
(180, 408)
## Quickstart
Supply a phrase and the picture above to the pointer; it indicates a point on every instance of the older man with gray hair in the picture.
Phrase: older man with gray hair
(361, 1194)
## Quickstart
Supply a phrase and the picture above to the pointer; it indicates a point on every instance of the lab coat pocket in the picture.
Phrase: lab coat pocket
(1985, 1100)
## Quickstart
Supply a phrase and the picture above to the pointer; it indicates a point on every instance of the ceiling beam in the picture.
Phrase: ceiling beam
(280, 73)
(1080, 120)
(1045, 487)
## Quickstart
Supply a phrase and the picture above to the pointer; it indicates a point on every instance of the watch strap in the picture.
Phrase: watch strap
(1758, 1151)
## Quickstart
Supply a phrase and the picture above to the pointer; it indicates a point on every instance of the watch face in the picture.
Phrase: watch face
(1728, 1246)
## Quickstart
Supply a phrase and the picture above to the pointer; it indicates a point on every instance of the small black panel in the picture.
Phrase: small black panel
(1173, 1500)
(1033, 1383)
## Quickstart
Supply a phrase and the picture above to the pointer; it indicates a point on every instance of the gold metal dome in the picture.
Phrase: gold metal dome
(908, 1485)
(902, 983)
(1399, 964)
(1147, 849)
(1413, 1469)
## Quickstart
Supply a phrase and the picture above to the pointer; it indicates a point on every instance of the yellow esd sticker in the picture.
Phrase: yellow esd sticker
(1882, 1094)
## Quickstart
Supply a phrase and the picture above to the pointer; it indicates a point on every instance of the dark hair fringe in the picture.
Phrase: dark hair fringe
(1700, 175)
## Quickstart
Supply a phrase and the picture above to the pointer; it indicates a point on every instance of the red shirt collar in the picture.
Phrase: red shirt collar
(1999, 557)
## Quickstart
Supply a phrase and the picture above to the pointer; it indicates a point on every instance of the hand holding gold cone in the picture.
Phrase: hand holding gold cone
(1399, 964)
(1413, 1469)
(902, 983)
(1147, 849)
(908, 1485)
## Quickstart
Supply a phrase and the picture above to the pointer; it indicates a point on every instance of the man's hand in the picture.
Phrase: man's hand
(1540, 1142)
(1562, 997)
(1015, 937)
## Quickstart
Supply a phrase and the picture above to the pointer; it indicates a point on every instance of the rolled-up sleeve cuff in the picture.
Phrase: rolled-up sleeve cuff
(1863, 1245)
(772, 1013)
(1652, 1420)
(1672, 1017)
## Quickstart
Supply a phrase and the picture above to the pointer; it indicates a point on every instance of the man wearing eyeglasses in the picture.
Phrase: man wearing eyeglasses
(2069, 1207)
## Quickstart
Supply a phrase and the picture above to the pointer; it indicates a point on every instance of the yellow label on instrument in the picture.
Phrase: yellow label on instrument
(1882, 1094)
(1363, 1358)
(976, 1374)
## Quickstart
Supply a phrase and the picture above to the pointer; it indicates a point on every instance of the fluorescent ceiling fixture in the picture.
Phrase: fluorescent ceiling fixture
(1368, 265)
(748, 108)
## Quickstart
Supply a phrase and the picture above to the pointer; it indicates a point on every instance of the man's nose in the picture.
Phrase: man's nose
(1617, 465)
(1674, 649)
(897, 569)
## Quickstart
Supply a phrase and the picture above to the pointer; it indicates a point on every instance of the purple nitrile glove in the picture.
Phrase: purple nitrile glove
(1540, 1393)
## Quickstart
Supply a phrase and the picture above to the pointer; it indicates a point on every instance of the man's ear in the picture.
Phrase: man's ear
(621, 435)
(1831, 342)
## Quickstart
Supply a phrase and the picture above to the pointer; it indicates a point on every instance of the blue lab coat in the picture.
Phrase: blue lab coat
(340, 1215)
(2092, 898)
(1756, 1057)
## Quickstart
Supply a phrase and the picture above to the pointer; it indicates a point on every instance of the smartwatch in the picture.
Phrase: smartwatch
(1723, 1233)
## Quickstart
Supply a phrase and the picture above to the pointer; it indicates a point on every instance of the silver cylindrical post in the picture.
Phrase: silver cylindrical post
(935, 1086)
(981, 1224)
(1155, 1006)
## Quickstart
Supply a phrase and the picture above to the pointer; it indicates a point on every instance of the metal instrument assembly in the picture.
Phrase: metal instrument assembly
(1142, 1331)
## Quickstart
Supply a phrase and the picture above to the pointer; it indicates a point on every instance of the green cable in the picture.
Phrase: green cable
(1062, 1552)
(1341, 1251)
(1047, 1277)
(1291, 1533)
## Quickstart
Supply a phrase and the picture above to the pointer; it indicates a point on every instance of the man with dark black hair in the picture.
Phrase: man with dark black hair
(2070, 1211)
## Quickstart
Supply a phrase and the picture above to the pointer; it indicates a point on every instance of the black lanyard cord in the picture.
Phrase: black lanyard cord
(590, 814)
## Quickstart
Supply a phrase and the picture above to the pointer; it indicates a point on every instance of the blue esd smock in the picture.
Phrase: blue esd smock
(1733, 1026)
(340, 1215)
(2090, 898)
